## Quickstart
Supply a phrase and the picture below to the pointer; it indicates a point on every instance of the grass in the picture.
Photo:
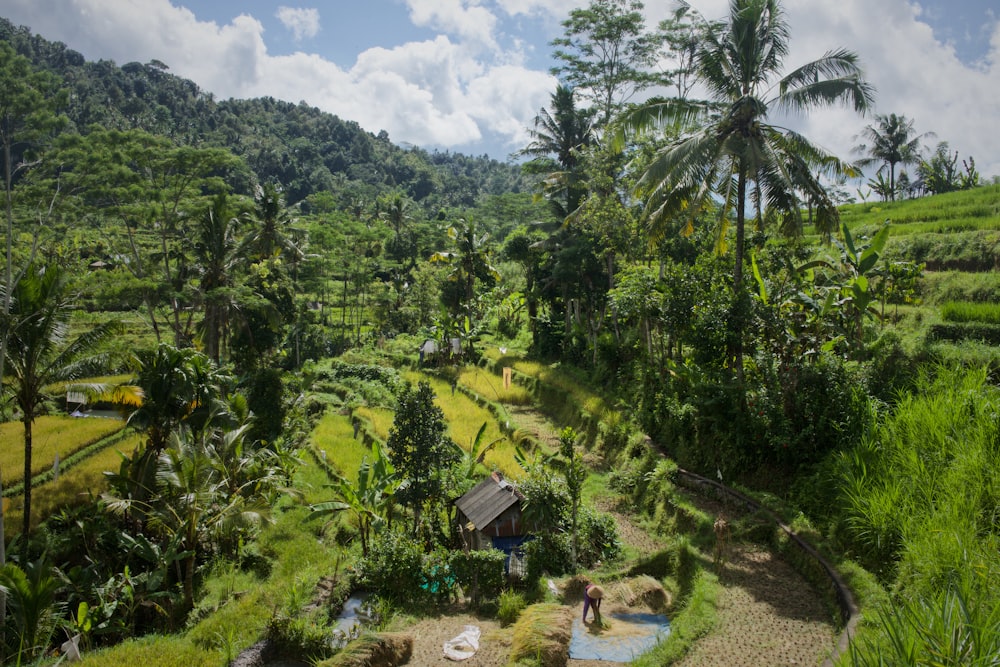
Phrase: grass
(695, 620)
(51, 435)
(953, 211)
(155, 651)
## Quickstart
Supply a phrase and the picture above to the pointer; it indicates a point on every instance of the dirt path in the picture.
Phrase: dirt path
(768, 614)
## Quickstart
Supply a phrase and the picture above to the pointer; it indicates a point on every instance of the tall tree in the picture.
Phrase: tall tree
(558, 140)
(40, 352)
(420, 448)
(732, 146)
(606, 54)
(890, 141)
(216, 253)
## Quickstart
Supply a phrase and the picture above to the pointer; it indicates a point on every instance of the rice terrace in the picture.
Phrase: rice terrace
(674, 386)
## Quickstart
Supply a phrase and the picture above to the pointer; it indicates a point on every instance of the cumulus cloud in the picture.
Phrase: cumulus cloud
(465, 20)
(304, 23)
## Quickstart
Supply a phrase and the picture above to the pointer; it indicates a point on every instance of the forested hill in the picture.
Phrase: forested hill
(304, 149)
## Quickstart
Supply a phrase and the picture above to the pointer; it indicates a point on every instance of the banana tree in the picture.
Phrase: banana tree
(857, 265)
(371, 500)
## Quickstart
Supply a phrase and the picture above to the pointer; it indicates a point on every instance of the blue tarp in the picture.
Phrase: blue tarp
(627, 637)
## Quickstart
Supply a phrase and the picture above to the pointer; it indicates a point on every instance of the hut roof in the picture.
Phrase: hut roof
(488, 500)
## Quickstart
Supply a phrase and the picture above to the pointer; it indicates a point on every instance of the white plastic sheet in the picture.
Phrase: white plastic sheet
(464, 646)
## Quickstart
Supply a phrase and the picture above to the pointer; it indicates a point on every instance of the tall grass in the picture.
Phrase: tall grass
(953, 627)
(922, 499)
(922, 492)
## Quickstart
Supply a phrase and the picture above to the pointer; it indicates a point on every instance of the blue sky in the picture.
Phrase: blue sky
(470, 75)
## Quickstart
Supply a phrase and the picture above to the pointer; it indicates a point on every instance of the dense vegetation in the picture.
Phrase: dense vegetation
(838, 360)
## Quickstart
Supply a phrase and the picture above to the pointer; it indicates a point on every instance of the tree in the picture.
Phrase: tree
(564, 132)
(941, 173)
(370, 500)
(28, 104)
(470, 262)
(151, 187)
(194, 499)
(730, 145)
(40, 354)
(606, 54)
(216, 252)
(890, 142)
(419, 448)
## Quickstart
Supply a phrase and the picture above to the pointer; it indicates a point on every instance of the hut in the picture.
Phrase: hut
(489, 516)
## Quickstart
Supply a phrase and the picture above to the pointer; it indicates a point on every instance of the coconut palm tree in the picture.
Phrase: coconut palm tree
(890, 142)
(564, 132)
(727, 147)
(216, 249)
(39, 353)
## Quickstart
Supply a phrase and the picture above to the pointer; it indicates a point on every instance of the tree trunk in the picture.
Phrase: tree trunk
(737, 352)
(26, 420)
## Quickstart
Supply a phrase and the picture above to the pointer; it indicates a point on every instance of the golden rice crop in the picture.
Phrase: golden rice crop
(51, 434)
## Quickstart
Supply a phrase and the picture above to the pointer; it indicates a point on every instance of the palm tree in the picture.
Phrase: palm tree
(889, 143)
(216, 249)
(274, 235)
(564, 132)
(39, 355)
(732, 146)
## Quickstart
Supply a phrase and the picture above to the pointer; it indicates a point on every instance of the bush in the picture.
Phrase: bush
(394, 568)
(599, 539)
(548, 553)
(480, 572)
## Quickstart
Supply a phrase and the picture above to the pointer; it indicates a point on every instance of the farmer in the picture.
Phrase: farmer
(592, 595)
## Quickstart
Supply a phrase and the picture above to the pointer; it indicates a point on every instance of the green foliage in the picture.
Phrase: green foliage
(984, 332)
(299, 636)
(919, 493)
(31, 602)
(394, 568)
(954, 626)
(419, 447)
(598, 538)
(548, 554)
(479, 572)
(510, 605)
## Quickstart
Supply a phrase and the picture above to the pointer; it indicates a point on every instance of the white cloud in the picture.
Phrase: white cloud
(462, 18)
(304, 23)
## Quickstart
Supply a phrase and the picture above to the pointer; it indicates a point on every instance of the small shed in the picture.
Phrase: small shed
(490, 515)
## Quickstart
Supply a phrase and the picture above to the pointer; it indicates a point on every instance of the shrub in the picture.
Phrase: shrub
(481, 572)
(599, 540)
(394, 568)
(549, 553)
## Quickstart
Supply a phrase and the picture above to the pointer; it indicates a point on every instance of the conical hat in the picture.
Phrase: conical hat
(595, 592)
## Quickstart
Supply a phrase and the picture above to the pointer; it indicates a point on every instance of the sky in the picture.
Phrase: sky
(469, 76)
